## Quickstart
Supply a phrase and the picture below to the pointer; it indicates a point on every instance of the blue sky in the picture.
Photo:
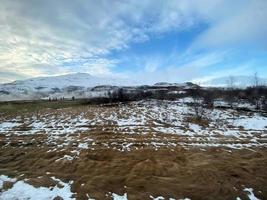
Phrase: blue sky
(148, 41)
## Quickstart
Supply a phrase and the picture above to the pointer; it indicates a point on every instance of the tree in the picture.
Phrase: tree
(198, 108)
(230, 96)
(256, 97)
(231, 82)
(264, 104)
(121, 94)
(256, 80)
(198, 104)
(208, 98)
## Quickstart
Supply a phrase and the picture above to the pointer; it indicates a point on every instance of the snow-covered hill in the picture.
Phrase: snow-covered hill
(237, 81)
(55, 86)
(77, 79)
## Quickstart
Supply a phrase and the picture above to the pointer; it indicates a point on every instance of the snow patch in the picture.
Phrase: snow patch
(254, 123)
(119, 197)
(251, 195)
(22, 191)
(4, 178)
(83, 146)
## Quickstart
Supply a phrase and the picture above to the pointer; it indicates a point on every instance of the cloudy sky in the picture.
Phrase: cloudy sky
(148, 40)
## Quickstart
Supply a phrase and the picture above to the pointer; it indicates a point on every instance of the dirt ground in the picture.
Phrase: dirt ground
(154, 165)
(171, 173)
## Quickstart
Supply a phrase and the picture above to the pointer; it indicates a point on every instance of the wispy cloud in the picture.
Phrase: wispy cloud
(178, 68)
(246, 23)
(50, 37)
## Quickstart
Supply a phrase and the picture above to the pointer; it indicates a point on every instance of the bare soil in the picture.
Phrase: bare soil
(143, 170)
(172, 173)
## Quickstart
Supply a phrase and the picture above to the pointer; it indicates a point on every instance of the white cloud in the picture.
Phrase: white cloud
(246, 24)
(32, 38)
(57, 37)
(187, 68)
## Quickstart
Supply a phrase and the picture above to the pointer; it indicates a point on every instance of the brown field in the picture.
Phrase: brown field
(101, 156)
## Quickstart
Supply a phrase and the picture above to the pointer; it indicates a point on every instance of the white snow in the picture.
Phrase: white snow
(57, 86)
(251, 195)
(4, 178)
(119, 197)
(51, 125)
(83, 146)
(22, 191)
(254, 123)
(162, 198)
(195, 127)
(157, 198)
(144, 117)
(9, 125)
(65, 157)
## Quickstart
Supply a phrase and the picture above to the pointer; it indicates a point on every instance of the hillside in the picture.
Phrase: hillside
(55, 86)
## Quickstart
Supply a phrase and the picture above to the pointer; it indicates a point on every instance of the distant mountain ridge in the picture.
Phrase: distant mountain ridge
(76, 79)
(238, 81)
(82, 85)
(36, 88)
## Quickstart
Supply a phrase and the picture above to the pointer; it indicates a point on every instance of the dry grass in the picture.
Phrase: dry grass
(176, 172)
(145, 168)
(204, 122)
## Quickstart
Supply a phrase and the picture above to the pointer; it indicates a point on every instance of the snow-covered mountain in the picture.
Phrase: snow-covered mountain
(77, 79)
(55, 86)
(82, 85)
(237, 81)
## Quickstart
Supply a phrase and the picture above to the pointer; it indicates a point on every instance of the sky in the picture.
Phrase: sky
(148, 40)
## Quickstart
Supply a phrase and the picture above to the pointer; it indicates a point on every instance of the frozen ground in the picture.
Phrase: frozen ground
(112, 151)
(224, 128)
(20, 190)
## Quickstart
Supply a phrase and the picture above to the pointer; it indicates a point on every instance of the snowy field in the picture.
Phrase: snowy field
(69, 135)
(224, 127)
